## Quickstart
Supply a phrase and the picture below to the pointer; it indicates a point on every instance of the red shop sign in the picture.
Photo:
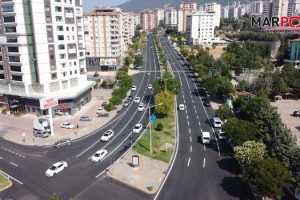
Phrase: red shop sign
(63, 106)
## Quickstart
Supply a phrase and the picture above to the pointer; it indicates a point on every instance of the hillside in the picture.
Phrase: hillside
(139, 5)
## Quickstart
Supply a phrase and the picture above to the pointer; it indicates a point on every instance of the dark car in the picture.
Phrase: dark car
(85, 118)
(130, 98)
(104, 103)
(296, 113)
(40, 133)
(62, 142)
(206, 102)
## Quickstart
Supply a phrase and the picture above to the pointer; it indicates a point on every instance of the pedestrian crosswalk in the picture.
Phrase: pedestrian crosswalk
(179, 71)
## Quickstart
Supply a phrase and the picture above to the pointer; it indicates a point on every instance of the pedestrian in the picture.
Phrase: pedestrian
(77, 126)
(76, 134)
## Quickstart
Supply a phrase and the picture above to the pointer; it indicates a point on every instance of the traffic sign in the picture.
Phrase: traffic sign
(153, 118)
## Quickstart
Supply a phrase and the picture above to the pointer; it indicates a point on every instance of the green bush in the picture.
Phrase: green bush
(108, 107)
(4, 111)
(115, 100)
(159, 127)
(103, 84)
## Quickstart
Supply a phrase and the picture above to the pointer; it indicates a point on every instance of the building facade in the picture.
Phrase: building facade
(215, 8)
(295, 50)
(170, 18)
(185, 9)
(42, 54)
(148, 20)
(279, 8)
(293, 8)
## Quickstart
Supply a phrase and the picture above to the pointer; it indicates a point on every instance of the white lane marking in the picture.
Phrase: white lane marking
(190, 131)
(189, 162)
(1, 158)
(199, 124)
(201, 129)
(185, 111)
(184, 101)
(187, 117)
(204, 147)
(13, 164)
(190, 138)
(192, 99)
(191, 148)
(204, 163)
(197, 117)
(194, 106)
(6, 174)
(188, 123)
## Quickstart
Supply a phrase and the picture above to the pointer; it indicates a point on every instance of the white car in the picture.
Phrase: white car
(137, 128)
(133, 88)
(149, 87)
(221, 135)
(99, 155)
(137, 100)
(126, 103)
(67, 125)
(107, 135)
(99, 110)
(217, 122)
(56, 168)
(141, 107)
(181, 107)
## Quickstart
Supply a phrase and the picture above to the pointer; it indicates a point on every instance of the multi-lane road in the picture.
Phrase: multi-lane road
(27, 165)
(198, 171)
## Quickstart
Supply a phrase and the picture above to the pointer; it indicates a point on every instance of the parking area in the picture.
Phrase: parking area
(20, 129)
(286, 108)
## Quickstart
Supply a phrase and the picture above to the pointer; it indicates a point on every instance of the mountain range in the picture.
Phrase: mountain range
(139, 5)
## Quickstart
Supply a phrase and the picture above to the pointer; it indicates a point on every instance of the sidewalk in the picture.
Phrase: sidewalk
(12, 128)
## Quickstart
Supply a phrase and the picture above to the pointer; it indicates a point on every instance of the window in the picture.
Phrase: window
(10, 29)
(47, 8)
(53, 76)
(58, 9)
(59, 19)
(2, 76)
(75, 71)
(13, 49)
(50, 39)
(67, 28)
(70, 72)
(62, 56)
(48, 19)
(72, 28)
(7, 8)
(74, 63)
(81, 53)
(64, 74)
(70, 64)
(63, 65)
(61, 46)
(1, 67)
(60, 28)
(51, 57)
(0, 58)
(12, 39)
(15, 68)
(14, 58)
(49, 28)
(60, 37)
(9, 19)
(16, 78)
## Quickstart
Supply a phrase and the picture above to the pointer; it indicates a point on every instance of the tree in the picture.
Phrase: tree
(224, 112)
(127, 60)
(240, 131)
(166, 99)
(138, 60)
(279, 86)
(249, 152)
(268, 175)
(55, 197)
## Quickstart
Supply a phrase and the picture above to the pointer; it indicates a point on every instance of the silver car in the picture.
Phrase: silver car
(62, 142)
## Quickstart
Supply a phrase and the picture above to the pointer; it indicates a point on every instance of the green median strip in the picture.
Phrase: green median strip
(4, 182)
(159, 140)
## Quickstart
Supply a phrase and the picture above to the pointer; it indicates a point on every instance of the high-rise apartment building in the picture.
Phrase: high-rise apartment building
(279, 8)
(255, 7)
(148, 20)
(42, 55)
(293, 8)
(159, 13)
(215, 8)
(185, 9)
(170, 18)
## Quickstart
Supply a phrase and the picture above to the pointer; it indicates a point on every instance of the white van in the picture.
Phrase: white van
(205, 137)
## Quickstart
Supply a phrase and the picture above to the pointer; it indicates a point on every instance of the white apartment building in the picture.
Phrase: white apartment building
(201, 26)
(279, 8)
(225, 12)
(159, 15)
(170, 18)
(185, 9)
(255, 7)
(215, 8)
(42, 55)
(104, 28)
(293, 8)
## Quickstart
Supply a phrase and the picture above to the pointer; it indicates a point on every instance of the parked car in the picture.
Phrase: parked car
(41, 133)
(104, 103)
(133, 88)
(137, 100)
(56, 168)
(221, 135)
(296, 113)
(141, 107)
(130, 98)
(217, 122)
(181, 107)
(85, 118)
(67, 125)
(99, 155)
(59, 112)
(99, 110)
(126, 103)
(62, 142)
(137, 128)
(206, 102)
(107, 135)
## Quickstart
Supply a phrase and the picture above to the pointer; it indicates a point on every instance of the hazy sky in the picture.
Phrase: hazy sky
(88, 5)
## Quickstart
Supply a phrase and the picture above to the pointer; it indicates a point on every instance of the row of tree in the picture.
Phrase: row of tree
(265, 147)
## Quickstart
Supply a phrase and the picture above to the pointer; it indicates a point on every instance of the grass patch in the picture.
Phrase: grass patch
(3, 182)
(159, 140)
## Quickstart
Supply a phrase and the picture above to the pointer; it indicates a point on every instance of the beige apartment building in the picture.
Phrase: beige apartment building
(148, 20)
(185, 9)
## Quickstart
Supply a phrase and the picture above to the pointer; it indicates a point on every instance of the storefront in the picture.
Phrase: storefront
(15, 104)
(32, 106)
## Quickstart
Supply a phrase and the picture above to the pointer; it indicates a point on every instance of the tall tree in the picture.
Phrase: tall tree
(166, 99)
(138, 60)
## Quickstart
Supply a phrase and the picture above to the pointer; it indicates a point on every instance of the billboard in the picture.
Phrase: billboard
(48, 102)
(97, 61)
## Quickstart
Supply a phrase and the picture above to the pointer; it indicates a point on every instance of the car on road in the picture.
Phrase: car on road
(67, 125)
(296, 113)
(181, 107)
(137, 100)
(221, 135)
(148, 73)
(56, 168)
(141, 107)
(206, 102)
(129, 98)
(107, 135)
(205, 137)
(59, 112)
(99, 110)
(137, 128)
(126, 103)
(217, 122)
(99, 155)
(133, 88)
(149, 87)
(62, 142)
(40, 133)
(85, 118)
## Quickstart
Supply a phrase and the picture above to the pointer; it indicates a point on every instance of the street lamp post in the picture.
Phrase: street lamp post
(150, 125)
